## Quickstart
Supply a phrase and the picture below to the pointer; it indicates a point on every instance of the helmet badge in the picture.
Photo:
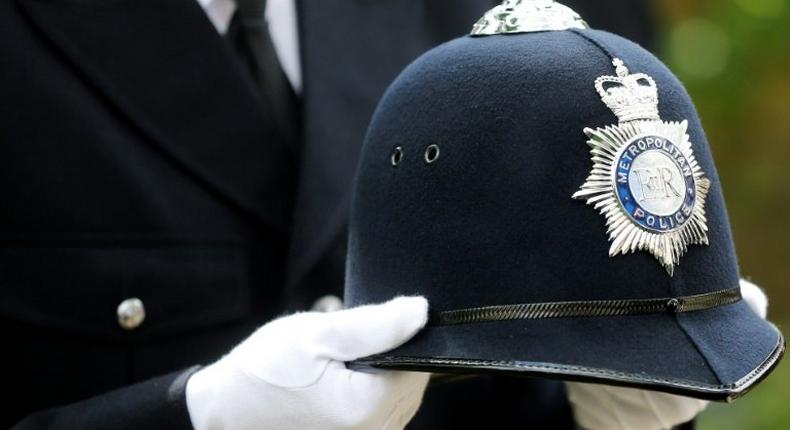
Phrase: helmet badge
(644, 180)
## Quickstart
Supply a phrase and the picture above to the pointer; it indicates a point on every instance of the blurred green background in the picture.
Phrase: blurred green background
(734, 58)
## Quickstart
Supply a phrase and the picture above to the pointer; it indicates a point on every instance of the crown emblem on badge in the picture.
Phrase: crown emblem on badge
(629, 96)
(645, 179)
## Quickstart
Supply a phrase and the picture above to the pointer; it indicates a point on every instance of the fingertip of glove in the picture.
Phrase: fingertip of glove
(413, 309)
(754, 297)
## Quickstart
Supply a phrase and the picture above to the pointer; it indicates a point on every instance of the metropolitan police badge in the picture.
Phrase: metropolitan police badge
(644, 178)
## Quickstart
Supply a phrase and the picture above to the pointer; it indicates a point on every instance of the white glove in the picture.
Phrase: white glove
(755, 298)
(599, 407)
(289, 374)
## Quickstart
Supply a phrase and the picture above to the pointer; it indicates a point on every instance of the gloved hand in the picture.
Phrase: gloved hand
(289, 374)
(599, 407)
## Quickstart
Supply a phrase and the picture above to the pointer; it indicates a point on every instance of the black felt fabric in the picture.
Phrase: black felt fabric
(492, 220)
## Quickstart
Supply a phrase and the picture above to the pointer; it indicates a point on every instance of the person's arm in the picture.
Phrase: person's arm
(290, 373)
(158, 403)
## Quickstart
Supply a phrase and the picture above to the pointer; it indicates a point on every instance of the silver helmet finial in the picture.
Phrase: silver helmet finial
(524, 16)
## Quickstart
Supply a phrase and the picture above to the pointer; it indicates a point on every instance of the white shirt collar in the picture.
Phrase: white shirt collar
(281, 18)
(219, 12)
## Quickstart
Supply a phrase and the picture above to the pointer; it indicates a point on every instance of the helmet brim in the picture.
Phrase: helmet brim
(714, 354)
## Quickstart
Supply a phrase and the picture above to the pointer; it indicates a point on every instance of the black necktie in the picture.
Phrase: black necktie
(249, 34)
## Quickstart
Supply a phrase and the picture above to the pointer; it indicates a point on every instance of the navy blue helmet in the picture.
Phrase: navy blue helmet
(549, 189)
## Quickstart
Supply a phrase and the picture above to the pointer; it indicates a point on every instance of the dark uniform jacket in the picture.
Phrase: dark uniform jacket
(137, 159)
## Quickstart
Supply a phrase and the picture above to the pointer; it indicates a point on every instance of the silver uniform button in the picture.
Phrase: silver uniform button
(131, 313)
(328, 303)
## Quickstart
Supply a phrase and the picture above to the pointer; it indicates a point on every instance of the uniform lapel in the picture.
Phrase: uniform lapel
(162, 65)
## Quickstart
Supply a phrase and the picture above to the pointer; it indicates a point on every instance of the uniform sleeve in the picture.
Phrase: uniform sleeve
(158, 403)
(691, 425)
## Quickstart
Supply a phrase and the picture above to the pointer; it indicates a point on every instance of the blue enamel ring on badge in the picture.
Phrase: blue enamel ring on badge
(655, 183)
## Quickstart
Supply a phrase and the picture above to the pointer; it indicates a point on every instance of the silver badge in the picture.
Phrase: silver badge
(645, 179)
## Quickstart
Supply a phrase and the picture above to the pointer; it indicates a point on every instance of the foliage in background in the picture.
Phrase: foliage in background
(734, 58)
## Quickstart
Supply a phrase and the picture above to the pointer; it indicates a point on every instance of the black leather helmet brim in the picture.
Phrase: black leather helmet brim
(722, 362)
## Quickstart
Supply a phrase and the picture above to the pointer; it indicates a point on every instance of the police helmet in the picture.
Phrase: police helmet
(548, 187)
